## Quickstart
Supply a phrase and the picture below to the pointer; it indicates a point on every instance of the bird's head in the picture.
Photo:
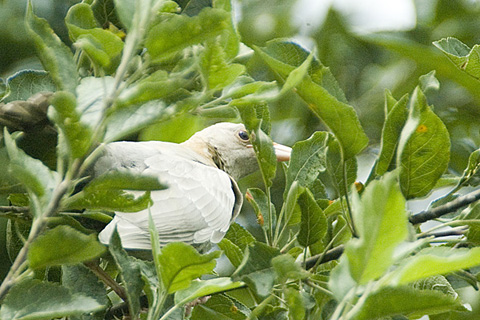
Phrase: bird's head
(229, 148)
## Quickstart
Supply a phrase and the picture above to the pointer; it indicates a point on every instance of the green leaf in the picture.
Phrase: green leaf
(341, 281)
(158, 85)
(291, 207)
(220, 307)
(257, 269)
(55, 56)
(428, 82)
(297, 75)
(313, 226)
(235, 242)
(33, 174)
(177, 32)
(407, 301)
(158, 292)
(217, 71)
(129, 273)
(80, 16)
(63, 245)
(239, 236)
(66, 117)
(424, 149)
(287, 269)
(308, 159)
(101, 45)
(322, 94)
(471, 174)
(472, 214)
(24, 84)
(108, 192)
(91, 94)
(259, 201)
(295, 304)
(333, 178)
(130, 120)
(125, 180)
(395, 118)
(80, 279)
(229, 38)
(110, 200)
(36, 300)
(381, 222)
(201, 288)
(124, 9)
(427, 56)
(434, 261)
(246, 88)
(461, 55)
(181, 263)
(3, 89)
(339, 117)
(438, 283)
(261, 281)
(257, 122)
(231, 251)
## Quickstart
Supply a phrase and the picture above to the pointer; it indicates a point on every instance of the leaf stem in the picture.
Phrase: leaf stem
(141, 19)
(37, 227)
(158, 306)
(105, 277)
(319, 288)
(259, 308)
(270, 215)
(349, 215)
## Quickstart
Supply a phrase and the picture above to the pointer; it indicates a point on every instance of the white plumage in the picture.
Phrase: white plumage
(202, 197)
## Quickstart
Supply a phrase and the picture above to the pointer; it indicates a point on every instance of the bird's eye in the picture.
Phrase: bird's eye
(243, 135)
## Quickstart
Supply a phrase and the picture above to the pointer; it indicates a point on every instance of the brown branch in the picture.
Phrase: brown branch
(451, 206)
(330, 255)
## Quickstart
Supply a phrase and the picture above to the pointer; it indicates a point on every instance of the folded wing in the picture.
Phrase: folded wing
(197, 206)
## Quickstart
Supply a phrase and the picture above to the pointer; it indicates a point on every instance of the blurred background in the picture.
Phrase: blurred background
(370, 46)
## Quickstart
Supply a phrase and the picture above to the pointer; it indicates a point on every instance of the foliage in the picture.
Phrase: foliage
(130, 69)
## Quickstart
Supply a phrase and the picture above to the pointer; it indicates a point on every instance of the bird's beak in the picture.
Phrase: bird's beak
(282, 152)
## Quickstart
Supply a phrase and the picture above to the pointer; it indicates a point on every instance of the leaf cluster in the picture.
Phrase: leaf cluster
(136, 68)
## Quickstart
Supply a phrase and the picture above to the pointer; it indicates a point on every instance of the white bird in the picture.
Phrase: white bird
(202, 198)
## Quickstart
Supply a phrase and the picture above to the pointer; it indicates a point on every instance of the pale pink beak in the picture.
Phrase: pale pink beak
(282, 152)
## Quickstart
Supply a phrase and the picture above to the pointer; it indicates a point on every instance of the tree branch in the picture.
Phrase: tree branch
(458, 231)
(439, 211)
(330, 255)
(14, 209)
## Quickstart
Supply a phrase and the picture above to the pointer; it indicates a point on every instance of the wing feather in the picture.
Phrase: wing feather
(196, 207)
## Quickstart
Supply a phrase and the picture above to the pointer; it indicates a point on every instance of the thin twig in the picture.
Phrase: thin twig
(105, 277)
(37, 227)
(439, 211)
(14, 209)
(458, 231)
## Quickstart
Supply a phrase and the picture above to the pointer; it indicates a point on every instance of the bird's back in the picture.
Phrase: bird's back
(197, 206)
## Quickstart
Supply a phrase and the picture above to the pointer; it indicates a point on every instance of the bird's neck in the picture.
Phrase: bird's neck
(206, 151)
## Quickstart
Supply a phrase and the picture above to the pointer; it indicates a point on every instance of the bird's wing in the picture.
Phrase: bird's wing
(197, 206)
